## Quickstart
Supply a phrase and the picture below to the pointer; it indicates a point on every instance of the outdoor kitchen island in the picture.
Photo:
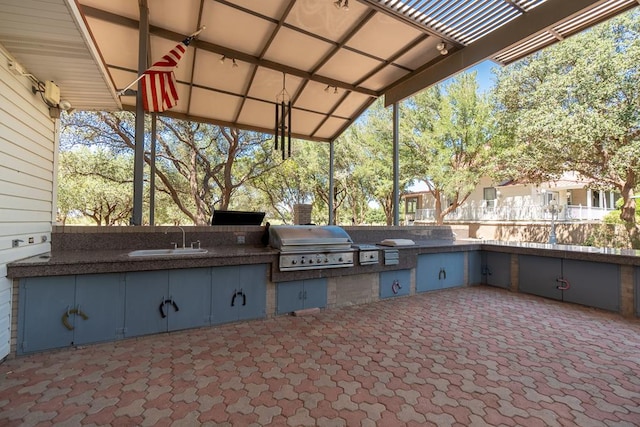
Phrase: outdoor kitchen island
(89, 290)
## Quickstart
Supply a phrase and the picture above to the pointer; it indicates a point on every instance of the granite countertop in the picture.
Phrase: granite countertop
(62, 262)
(106, 261)
(585, 253)
(112, 261)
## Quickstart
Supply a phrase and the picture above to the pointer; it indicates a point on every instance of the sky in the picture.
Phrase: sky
(486, 79)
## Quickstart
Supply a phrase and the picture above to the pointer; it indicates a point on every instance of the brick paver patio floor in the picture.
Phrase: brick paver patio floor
(467, 357)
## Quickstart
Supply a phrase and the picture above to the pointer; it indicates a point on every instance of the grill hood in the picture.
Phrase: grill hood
(306, 238)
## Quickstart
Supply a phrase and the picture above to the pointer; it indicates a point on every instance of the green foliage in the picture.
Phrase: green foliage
(576, 107)
(93, 184)
(375, 217)
(613, 217)
(197, 164)
(366, 158)
(608, 235)
(448, 131)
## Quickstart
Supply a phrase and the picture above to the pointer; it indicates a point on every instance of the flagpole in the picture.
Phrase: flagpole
(122, 91)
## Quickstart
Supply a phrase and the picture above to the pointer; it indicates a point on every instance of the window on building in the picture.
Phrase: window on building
(412, 205)
(551, 196)
(595, 198)
(489, 196)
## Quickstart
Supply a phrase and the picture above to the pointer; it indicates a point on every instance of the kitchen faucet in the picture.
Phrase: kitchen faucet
(184, 241)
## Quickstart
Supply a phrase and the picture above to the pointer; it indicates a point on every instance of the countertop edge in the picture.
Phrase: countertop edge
(118, 261)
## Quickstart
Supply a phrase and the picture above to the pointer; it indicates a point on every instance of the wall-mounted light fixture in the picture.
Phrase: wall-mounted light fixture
(224, 58)
(442, 48)
(341, 4)
(328, 89)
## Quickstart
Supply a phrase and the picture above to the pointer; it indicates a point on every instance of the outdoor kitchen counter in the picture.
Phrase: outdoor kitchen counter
(582, 253)
(64, 262)
(58, 263)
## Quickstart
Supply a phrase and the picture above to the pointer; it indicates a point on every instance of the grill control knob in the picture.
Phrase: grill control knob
(294, 262)
(310, 261)
(326, 260)
(340, 259)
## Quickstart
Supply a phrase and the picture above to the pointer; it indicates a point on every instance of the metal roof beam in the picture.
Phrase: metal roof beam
(221, 50)
(538, 19)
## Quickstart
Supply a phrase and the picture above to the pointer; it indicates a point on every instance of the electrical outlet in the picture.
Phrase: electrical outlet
(240, 239)
(31, 240)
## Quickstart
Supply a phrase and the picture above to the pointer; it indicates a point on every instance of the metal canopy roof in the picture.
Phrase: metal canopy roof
(336, 61)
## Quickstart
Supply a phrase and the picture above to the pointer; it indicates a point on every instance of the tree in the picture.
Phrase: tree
(576, 107)
(95, 184)
(370, 156)
(292, 182)
(198, 165)
(448, 131)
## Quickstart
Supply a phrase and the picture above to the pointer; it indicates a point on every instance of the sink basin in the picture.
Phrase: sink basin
(167, 252)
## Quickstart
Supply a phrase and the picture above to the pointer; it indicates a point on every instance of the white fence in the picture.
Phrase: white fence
(512, 213)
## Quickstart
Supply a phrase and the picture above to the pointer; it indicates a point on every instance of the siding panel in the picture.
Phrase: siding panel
(27, 167)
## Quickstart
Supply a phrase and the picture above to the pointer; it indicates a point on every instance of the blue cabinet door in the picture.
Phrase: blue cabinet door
(475, 267)
(439, 271)
(314, 293)
(225, 296)
(289, 296)
(146, 310)
(496, 269)
(189, 304)
(428, 273)
(252, 284)
(395, 283)
(537, 275)
(43, 302)
(301, 294)
(452, 265)
(100, 297)
(239, 292)
(594, 284)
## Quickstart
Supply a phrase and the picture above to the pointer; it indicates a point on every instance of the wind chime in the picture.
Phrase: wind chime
(283, 121)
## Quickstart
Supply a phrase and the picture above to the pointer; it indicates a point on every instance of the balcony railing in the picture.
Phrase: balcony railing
(512, 213)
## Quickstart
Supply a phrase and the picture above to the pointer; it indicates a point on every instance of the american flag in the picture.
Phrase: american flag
(159, 91)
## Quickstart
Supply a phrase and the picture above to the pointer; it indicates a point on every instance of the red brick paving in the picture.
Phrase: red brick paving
(470, 356)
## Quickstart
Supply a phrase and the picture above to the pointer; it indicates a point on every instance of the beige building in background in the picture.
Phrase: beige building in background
(516, 201)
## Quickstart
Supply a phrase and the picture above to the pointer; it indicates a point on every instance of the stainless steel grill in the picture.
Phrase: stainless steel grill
(306, 247)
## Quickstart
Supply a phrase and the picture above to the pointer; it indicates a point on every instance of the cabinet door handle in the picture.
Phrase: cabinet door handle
(396, 286)
(300, 295)
(161, 308)
(239, 293)
(166, 301)
(68, 311)
(565, 284)
(304, 295)
(442, 274)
